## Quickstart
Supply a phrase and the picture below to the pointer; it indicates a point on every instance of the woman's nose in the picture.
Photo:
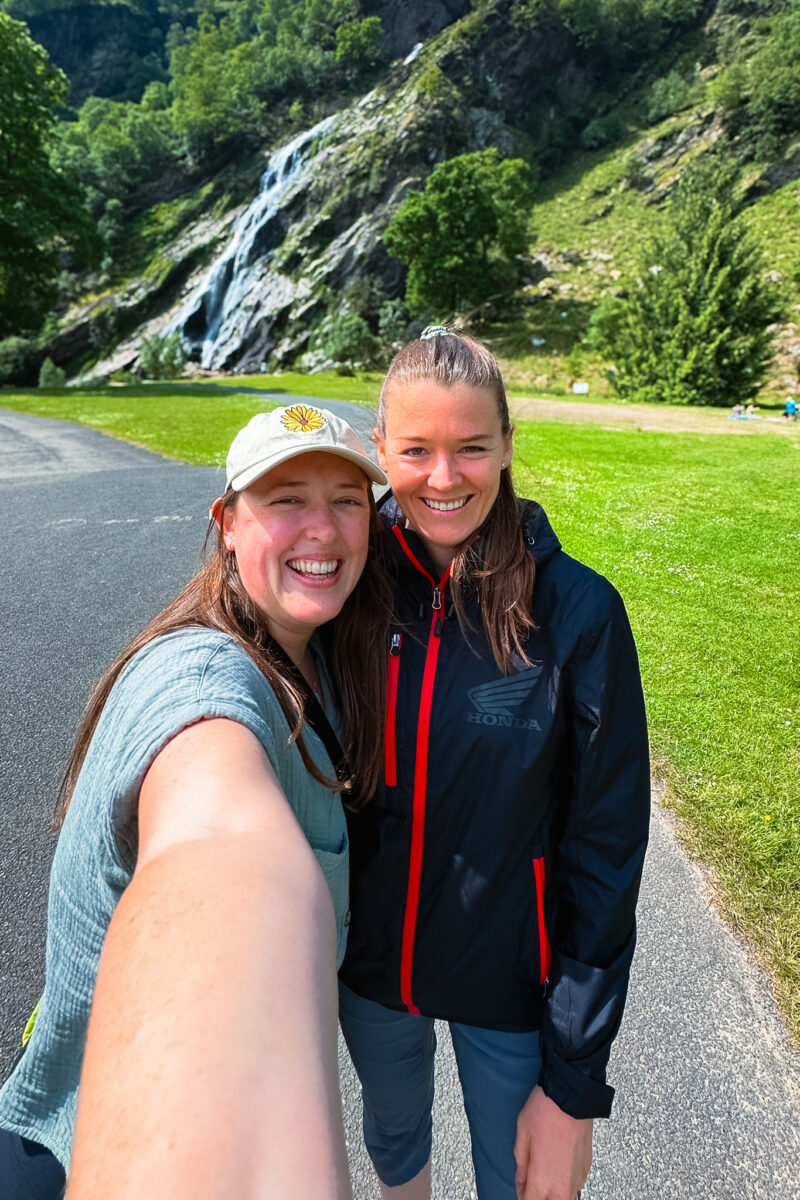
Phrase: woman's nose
(320, 523)
(443, 473)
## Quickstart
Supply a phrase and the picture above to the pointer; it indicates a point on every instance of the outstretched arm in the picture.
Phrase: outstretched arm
(210, 1067)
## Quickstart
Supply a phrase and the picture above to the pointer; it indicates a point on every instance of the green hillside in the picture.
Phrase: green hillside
(607, 101)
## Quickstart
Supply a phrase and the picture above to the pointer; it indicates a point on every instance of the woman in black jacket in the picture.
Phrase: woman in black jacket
(495, 875)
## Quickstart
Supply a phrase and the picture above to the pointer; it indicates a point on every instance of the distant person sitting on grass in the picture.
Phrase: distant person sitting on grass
(790, 412)
(738, 411)
(202, 821)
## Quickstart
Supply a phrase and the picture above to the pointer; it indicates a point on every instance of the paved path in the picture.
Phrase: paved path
(99, 535)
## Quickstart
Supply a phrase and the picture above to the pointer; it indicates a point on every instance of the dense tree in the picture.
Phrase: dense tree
(215, 84)
(695, 330)
(116, 145)
(40, 206)
(773, 81)
(359, 46)
(460, 236)
(615, 32)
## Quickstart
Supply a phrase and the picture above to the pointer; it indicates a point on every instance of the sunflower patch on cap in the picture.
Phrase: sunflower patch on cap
(302, 419)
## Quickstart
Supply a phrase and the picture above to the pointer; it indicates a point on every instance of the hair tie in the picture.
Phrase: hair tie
(435, 331)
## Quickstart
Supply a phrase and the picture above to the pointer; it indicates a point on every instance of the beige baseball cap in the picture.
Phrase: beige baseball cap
(272, 438)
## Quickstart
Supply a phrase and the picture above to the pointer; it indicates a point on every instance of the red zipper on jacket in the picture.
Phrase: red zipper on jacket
(390, 752)
(544, 941)
(420, 777)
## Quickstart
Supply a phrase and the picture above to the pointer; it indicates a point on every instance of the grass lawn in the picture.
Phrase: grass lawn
(701, 534)
(191, 421)
(363, 388)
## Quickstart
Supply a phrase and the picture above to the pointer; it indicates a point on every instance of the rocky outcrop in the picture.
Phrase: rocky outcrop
(103, 50)
(406, 24)
(119, 319)
(325, 198)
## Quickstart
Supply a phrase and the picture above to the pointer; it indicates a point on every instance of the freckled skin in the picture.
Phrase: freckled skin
(313, 508)
(443, 445)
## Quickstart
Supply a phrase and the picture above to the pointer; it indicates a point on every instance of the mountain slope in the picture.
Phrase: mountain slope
(606, 107)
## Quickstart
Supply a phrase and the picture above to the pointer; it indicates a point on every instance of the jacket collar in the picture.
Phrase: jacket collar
(539, 536)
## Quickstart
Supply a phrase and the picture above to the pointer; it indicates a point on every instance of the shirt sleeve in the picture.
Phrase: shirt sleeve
(598, 863)
(175, 681)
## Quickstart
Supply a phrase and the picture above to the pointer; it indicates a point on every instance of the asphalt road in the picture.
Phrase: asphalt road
(100, 535)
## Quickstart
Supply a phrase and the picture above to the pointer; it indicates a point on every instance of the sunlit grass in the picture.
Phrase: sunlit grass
(699, 534)
(191, 421)
(362, 388)
(195, 424)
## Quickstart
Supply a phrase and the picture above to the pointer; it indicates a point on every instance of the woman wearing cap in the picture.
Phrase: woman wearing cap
(494, 877)
(202, 820)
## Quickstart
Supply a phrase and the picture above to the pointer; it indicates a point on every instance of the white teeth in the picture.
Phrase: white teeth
(446, 507)
(311, 566)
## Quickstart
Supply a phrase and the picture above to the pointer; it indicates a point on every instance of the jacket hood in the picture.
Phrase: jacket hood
(539, 536)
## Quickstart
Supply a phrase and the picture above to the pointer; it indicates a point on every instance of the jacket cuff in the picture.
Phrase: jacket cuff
(576, 1094)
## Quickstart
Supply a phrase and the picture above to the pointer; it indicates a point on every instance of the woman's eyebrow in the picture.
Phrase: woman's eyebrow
(473, 437)
(289, 483)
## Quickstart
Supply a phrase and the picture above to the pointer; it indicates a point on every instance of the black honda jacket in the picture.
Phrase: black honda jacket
(494, 877)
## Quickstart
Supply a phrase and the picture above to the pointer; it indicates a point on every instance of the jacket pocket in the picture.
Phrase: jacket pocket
(390, 751)
(544, 941)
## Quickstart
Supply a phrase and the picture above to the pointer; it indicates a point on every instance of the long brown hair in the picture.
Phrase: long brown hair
(497, 564)
(216, 599)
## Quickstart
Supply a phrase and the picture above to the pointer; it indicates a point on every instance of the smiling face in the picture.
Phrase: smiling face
(300, 536)
(443, 449)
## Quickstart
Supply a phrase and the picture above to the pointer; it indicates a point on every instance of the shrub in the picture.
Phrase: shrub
(111, 225)
(51, 376)
(364, 296)
(602, 131)
(347, 339)
(161, 356)
(605, 323)
(728, 89)
(17, 360)
(668, 95)
(393, 323)
(574, 361)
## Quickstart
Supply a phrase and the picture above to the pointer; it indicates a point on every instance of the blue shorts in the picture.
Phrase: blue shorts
(27, 1170)
(392, 1053)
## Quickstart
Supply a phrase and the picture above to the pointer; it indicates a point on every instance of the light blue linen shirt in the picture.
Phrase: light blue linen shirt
(174, 681)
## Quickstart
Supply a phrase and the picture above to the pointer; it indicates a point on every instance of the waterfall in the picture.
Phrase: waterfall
(215, 316)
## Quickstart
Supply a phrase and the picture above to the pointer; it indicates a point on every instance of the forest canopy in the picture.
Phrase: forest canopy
(40, 205)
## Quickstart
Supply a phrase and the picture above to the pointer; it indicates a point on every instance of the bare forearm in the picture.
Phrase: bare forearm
(210, 1069)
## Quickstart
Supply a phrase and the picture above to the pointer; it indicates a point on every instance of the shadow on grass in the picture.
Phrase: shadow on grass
(167, 388)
